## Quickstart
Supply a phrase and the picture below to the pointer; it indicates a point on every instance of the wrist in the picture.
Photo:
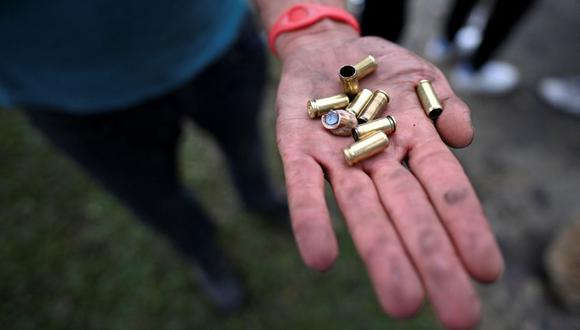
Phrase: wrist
(306, 19)
(315, 34)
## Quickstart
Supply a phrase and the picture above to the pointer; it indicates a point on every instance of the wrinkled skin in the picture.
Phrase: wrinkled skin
(413, 215)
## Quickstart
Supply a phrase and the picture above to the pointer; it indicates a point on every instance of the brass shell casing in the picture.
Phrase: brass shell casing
(318, 107)
(429, 100)
(339, 122)
(379, 99)
(387, 125)
(349, 78)
(366, 66)
(358, 104)
(366, 148)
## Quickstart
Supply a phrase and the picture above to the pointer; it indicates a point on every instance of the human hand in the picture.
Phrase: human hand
(414, 217)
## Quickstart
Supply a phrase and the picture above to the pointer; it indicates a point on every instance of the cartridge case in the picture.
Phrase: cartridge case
(428, 99)
(366, 148)
(386, 125)
(366, 66)
(379, 99)
(349, 78)
(358, 104)
(318, 107)
(339, 122)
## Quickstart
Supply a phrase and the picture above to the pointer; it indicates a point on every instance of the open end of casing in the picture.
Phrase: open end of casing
(393, 120)
(347, 71)
(434, 114)
(355, 135)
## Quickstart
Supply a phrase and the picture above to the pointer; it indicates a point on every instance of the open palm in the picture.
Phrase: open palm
(411, 210)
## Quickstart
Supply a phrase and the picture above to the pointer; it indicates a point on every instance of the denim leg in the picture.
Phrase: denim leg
(504, 17)
(458, 17)
(384, 19)
(132, 153)
(225, 100)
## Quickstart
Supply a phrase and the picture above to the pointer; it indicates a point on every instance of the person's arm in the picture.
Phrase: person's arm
(415, 218)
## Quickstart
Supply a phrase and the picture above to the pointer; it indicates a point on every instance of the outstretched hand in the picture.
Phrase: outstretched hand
(414, 217)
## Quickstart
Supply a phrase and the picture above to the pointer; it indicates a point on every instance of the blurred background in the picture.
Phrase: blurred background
(72, 257)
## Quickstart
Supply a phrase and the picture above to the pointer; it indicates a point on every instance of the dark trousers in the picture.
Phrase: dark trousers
(132, 151)
(387, 18)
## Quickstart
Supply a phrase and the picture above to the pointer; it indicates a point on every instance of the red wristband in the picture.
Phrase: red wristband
(305, 14)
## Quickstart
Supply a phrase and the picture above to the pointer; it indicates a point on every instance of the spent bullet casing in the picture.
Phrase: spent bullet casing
(373, 144)
(349, 78)
(387, 125)
(366, 66)
(376, 103)
(318, 107)
(358, 104)
(339, 122)
(428, 99)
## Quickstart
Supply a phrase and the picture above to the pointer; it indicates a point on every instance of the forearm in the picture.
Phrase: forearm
(270, 10)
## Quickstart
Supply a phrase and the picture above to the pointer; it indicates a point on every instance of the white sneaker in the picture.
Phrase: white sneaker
(561, 93)
(469, 37)
(494, 78)
(467, 40)
(440, 49)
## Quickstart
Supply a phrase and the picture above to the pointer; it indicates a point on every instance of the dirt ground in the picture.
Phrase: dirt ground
(524, 161)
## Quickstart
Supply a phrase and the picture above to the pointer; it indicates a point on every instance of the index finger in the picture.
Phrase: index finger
(309, 213)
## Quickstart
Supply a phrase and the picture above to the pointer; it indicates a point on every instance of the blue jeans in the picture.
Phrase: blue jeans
(132, 151)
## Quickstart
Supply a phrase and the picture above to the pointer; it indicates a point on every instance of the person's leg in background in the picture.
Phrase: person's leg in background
(385, 19)
(458, 17)
(445, 46)
(479, 73)
(226, 100)
(504, 17)
(132, 153)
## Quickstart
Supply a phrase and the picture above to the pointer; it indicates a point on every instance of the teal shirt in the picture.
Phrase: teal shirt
(88, 56)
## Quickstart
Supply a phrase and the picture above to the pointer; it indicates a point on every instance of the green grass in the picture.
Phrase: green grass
(71, 257)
